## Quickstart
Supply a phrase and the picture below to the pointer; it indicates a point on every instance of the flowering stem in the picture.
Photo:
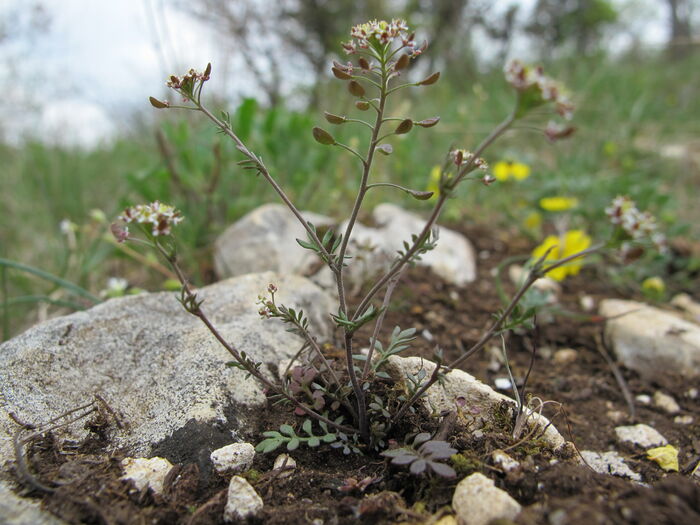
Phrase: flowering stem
(401, 262)
(265, 173)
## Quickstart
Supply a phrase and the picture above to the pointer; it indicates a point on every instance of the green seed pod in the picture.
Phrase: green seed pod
(430, 80)
(420, 195)
(323, 137)
(385, 149)
(356, 88)
(334, 119)
(404, 127)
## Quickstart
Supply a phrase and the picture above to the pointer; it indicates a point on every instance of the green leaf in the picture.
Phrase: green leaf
(268, 445)
(306, 427)
(287, 430)
(293, 444)
(328, 438)
(313, 442)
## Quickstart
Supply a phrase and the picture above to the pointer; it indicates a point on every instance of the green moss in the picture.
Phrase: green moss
(465, 463)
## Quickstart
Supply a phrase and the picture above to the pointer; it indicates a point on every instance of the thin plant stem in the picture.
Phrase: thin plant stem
(535, 274)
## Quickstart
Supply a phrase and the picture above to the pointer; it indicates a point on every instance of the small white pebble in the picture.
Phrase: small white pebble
(683, 420)
(427, 335)
(587, 303)
(503, 383)
(692, 393)
(643, 399)
(666, 403)
(287, 462)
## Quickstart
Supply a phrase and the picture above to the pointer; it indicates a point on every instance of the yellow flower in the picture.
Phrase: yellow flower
(666, 457)
(571, 242)
(533, 221)
(434, 181)
(558, 203)
(654, 285)
(505, 169)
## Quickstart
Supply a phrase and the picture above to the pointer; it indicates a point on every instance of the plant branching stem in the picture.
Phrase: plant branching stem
(252, 370)
(265, 173)
(534, 274)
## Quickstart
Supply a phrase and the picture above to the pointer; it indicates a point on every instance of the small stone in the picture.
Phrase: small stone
(616, 416)
(503, 460)
(609, 463)
(503, 383)
(643, 399)
(666, 403)
(477, 501)
(146, 472)
(641, 435)
(689, 307)
(286, 462)
(587, 303)
(242, 501)
(683, 420)
(692, 393)
(236, 457)
(565, 356)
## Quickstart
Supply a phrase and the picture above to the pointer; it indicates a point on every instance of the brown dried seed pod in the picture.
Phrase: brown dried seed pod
(364, 64)
(428, 122)
(430, 80)
(362, 105)
(334, 119)
(402, 62)
(404, 127)
(157, 103)
(323, 137)
(339, 73)
(356, 88)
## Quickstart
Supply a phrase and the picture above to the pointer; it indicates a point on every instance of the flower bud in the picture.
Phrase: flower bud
(157, 103)
(323, 137)
(334, 119)
(405, 126)
(356, 88)
(430, 80)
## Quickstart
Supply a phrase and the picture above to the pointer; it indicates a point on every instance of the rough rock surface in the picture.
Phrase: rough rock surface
(609, 463)
(154, 363)
(650, 340)
(690, 308)
(460, 388)
(146, 472)
(453, 259)
(235, 457)
(477, 501)
(18, 511)
(242, 500)
(265, 240)
(640, 435)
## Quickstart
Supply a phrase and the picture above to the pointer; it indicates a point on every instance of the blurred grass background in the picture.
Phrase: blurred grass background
(638, 133)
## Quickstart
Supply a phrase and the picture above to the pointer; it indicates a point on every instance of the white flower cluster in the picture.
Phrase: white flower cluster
(523, 77)
(640, 226)
(383, 32)
(161, 217)
(461, 157)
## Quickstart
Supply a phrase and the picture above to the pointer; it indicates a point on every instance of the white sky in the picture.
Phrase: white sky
(98, 63)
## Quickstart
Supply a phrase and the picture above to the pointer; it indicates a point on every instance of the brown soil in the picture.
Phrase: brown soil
(551, 490)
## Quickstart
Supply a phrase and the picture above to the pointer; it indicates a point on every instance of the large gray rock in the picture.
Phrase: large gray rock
(453, 259)
(265, 240)
(477, 400)
(651, 341)
(153, 362)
